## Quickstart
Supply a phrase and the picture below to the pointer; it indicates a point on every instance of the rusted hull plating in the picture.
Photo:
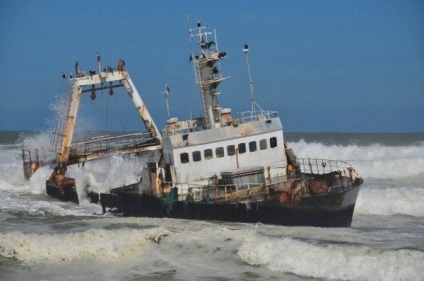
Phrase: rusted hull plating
(319, 211)
(65, 191)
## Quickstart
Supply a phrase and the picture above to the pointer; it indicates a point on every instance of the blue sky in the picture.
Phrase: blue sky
(325, 66)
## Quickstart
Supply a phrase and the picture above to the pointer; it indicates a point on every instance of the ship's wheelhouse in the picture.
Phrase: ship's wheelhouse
(202, 155)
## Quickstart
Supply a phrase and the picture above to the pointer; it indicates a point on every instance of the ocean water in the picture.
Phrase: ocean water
(45, 239)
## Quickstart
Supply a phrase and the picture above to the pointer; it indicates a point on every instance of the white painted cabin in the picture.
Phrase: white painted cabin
(200, 155)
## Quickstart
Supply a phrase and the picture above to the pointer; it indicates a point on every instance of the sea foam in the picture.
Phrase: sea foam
(100, 244)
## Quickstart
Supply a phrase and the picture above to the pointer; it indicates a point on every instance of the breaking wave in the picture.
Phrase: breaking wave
(373, 161)
(331, 262)
(391, 201)
(105, 245)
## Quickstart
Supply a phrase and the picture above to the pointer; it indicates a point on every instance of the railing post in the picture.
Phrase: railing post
(310, 165)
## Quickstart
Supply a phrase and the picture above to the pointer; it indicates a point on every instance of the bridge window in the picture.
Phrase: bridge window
(208, 154)
(219, 151)
(273, 142)
(263, 144)
(197, 156)
(252, 146)
(242, 148)
(231, 150)
(184, 158)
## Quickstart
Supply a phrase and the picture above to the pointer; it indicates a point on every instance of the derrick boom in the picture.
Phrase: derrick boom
(62, 187)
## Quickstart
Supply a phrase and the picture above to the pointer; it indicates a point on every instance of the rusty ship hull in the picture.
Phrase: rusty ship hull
(326, 210)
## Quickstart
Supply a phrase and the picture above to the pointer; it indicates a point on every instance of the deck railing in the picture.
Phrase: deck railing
(112, 143)
(212, 192)
(251, 116)
(216, 192)
(322, 166)
(191, 125)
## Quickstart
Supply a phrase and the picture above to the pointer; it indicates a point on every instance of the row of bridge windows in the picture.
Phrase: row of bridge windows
(231, 150)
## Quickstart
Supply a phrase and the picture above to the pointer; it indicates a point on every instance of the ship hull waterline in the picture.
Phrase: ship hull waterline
(318, 211)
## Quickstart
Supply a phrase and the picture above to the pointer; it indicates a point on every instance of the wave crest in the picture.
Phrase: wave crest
(334, 262)
(373, 161)
(106, 245)
(391, 201)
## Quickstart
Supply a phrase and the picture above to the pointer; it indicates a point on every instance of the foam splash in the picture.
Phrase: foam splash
(99, 244)
(11, 172)
(42, 206)
(333, 262)
(39, 140)
(107, 173)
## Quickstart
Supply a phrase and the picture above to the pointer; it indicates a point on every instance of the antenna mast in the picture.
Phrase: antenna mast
(208, 75)
(245, 51)
(166, 99)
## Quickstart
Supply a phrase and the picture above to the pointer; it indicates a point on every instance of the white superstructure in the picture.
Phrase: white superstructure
(200, 150)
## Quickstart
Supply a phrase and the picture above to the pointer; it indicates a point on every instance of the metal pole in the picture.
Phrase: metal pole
(166, 100)
(245, 51)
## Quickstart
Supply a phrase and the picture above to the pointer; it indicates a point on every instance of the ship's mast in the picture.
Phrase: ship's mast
(166, 100)
(245, 51)
(207, 73)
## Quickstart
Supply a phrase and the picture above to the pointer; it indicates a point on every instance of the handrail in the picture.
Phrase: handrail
(110, 142)
(322, 166)
(235, 191)
(242, 117)
(213, 192)
(251, 116)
